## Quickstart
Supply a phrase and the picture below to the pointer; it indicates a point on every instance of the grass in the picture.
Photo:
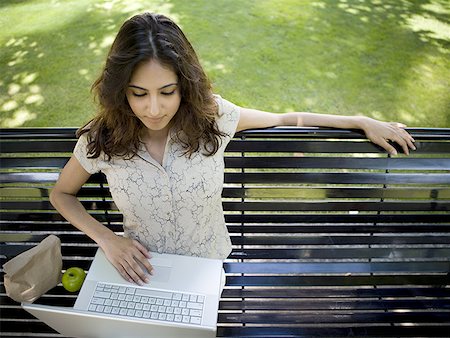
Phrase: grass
(386, 59)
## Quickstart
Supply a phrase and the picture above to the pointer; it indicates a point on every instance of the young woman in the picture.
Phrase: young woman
(159, 137)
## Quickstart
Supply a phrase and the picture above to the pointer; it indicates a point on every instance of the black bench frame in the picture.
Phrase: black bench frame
(331, 235)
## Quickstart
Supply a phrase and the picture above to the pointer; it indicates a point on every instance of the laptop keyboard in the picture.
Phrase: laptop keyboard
(136, 302)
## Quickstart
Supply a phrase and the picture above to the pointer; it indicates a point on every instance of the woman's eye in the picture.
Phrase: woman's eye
(168, 93)
(139, 95)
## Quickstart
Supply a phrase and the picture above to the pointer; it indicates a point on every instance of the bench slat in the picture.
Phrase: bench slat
(341, 253)
(339, 163)
(332, 218)
(338, 293)
(50, 146)
(337, 178)
(338, 267)
(330, 305)
(379, 280)
(341, 318)
(418, 330)
(337, 206)
(320, 147)
(369, 239)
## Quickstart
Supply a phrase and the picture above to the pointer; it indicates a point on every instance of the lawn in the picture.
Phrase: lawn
(388, 59)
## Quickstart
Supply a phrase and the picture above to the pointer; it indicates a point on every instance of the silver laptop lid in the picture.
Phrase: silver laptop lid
(74, 323)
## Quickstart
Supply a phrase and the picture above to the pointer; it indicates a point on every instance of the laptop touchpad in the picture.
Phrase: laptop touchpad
(160, 274)
(162, 268)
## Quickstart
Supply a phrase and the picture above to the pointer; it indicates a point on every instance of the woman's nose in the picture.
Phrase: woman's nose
(153, 106)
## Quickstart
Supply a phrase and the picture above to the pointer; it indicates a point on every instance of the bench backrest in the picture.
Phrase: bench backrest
(320, 220)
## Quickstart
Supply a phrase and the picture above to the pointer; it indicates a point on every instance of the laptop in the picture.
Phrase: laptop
(181, 300)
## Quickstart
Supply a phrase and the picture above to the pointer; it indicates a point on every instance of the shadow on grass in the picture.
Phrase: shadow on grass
(47, 74)
(396, 44)
(349, 57)
(9, 3)
(387, 47)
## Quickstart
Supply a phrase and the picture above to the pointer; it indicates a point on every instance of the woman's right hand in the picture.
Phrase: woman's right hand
(129, 257)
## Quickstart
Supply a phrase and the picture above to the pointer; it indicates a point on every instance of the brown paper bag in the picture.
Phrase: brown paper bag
(32, 273)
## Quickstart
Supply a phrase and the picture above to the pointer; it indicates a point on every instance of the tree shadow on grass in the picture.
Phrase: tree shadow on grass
(391, 48)
(9, 3)
(351, 57)
(47, 73)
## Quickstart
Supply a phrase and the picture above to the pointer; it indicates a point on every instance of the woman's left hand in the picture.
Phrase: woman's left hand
(381, 133)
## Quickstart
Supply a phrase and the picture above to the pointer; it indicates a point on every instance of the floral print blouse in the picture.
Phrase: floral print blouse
(175, 207)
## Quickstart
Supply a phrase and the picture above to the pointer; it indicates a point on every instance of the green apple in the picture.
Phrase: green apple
(73, 278)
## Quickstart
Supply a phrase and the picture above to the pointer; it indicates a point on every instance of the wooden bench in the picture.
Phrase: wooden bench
(331, 236)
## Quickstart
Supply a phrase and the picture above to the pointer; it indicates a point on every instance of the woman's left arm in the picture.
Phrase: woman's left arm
(378, 132)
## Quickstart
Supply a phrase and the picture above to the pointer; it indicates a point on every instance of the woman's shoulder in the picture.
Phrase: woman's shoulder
(225, 107)
(228, 115)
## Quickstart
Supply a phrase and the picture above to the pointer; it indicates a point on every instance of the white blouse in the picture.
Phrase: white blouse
(175, 207)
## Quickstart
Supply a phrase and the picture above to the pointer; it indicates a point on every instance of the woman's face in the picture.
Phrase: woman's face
(154, 95)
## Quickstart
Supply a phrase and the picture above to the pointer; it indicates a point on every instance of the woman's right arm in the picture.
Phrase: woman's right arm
(123, 253)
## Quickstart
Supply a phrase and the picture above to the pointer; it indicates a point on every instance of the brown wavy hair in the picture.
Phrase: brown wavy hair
(115, 130)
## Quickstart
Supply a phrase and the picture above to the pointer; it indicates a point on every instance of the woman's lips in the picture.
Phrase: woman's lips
(154, 119)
